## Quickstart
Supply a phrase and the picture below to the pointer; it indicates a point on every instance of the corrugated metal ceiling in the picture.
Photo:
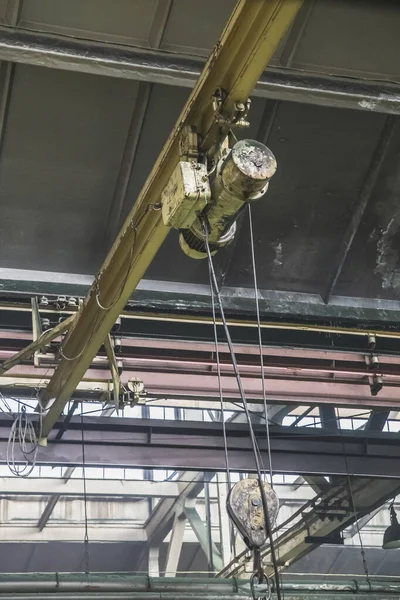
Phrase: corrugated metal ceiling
(64, 137)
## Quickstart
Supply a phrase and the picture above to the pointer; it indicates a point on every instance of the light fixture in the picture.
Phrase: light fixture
(391, 538)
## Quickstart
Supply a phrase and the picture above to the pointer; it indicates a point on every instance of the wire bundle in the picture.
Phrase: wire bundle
(24, 438)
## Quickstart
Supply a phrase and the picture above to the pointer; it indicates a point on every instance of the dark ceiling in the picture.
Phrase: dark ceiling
(327, 234)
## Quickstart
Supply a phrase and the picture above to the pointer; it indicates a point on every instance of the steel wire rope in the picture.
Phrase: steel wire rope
(268, 527)
(221, 397)
(222, 404)
(264, 392)
(260, 345)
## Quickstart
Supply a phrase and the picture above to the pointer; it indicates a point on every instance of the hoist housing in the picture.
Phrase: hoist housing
(194, 197)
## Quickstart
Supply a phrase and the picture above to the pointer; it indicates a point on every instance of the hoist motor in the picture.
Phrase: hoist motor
(195, 198)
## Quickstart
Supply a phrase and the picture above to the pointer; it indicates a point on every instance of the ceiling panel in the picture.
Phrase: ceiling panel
(3, 11)
(164, 106)
(372, 268)
(124, 21)
(352, 37)
(190, 28)
(63, 144)
(323, 155)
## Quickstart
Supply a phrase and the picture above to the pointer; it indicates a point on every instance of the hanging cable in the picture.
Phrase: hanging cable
(260, 345)
(246, 409)
(353, 505)
(134, 226)
(86, 535)
(221, 398)
(24, 437)
(222, 404)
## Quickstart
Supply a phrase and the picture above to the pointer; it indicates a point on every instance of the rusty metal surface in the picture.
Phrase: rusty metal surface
(245, 508)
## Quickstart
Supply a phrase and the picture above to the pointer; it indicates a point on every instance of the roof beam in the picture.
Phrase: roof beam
(198, 446)
(160, 522)
(241, 55)
(121, 489)
(107, 411)
(47, 337)
(67, 486)
(360, 205)
(155, 66)
(200, 529)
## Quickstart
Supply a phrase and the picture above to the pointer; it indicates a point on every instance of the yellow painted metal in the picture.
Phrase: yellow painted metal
(46, 337)
(108, 345)
(248, 42)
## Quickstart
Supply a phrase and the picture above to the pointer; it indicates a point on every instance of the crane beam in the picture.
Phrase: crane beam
(246, 46)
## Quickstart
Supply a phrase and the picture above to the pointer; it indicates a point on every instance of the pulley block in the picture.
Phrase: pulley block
(245, 508)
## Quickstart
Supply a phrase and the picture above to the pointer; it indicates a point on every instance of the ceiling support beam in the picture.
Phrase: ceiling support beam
(160, 522)
(47, 337)
(127, 162)
(175, 545)
(241, 55)
(163, 518)
(52, 501)
(155, 66)
(198, 446)
(95, 488)
(199, 527)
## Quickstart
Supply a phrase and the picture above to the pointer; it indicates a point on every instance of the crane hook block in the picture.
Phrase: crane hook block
(245, 508)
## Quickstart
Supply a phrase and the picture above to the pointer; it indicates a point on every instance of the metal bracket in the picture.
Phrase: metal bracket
(37, 330)
(223, 123)
(375, 384)
(115, 370)
(238, 118)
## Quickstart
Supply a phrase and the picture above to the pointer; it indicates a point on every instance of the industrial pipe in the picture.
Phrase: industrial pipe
(109, 585)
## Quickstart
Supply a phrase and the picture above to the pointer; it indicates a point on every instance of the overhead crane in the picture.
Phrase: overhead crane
(202, 135)
(201, 179)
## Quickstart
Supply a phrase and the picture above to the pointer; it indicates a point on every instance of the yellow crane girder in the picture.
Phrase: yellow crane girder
(245, 48)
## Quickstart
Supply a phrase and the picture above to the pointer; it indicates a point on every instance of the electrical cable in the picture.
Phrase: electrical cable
(248, 417)
(23, 435)
(260, 345)
(120, 289)
(134, 227)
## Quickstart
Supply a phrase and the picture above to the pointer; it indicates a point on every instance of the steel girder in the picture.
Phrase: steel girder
(157, 66)
(184, 445)
(245, 48)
